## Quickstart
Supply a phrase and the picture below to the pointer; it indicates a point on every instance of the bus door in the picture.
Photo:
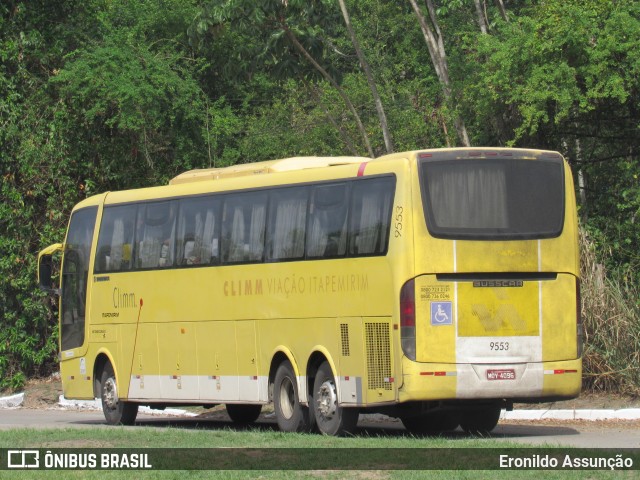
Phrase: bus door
(73, 303)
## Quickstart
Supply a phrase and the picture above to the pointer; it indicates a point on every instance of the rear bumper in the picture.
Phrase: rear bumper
(523, 382)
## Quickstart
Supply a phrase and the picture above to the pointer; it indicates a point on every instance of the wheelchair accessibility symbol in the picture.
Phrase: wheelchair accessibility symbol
(441, 313)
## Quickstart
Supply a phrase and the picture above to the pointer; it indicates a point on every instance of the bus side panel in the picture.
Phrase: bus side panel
(217, 361)
(145, 375)
(124, 358)
(116, 306)
(177, 360)
(351, 361)
(248, 380)
(76, 378)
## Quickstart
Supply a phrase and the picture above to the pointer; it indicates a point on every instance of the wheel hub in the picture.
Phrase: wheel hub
(327, 399)
(110, 394)
(287, 398)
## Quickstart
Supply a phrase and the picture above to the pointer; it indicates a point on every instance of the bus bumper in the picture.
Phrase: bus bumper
(522, 382)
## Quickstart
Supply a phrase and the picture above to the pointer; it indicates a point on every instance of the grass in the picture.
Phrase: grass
(315, 446)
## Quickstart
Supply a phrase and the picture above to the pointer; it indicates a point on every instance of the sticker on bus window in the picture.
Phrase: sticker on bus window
(441, 313)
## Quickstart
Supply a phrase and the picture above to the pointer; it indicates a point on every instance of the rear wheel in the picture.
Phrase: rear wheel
(115, 410)
(431, 423)
(290, 414)
(480, 421)
(243, 414)
(331, 418)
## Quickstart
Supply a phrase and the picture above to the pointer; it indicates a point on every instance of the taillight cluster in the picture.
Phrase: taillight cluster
(408, 319)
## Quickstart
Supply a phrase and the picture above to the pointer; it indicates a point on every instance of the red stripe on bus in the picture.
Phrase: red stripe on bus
(363, 165)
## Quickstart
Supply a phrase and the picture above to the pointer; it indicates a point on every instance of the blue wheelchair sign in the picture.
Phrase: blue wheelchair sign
(441, 313)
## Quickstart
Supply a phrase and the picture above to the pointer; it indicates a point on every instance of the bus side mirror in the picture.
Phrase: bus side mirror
(45, 269)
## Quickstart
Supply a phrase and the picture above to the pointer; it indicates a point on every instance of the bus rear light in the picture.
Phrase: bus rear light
(408, 319)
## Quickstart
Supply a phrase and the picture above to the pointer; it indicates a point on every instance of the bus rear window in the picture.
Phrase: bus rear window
(493, 198)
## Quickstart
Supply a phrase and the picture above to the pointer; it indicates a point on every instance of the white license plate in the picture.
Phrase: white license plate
(504, 374)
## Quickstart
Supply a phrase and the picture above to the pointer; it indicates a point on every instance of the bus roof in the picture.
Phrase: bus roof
(302, 163)
(257, 168)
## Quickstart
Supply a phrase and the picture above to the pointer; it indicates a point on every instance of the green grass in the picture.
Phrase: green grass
(172, 438)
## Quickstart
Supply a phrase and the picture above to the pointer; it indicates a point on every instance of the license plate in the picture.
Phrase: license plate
(506, 374)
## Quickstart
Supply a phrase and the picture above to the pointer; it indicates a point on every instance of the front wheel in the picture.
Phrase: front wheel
(115, 411)
(291, 415)
(331, 418)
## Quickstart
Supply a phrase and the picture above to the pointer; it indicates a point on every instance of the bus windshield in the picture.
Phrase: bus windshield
(493, 199)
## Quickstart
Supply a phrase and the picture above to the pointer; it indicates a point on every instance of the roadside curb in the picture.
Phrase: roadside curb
(13, 401)
(95, 405)
(592, 415)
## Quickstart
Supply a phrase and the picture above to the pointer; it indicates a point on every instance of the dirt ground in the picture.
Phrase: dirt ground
(43, 393)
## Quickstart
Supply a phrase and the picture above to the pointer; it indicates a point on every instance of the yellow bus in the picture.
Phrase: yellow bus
(437, 286)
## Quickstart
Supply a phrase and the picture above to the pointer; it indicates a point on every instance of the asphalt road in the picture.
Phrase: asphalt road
(609, 434)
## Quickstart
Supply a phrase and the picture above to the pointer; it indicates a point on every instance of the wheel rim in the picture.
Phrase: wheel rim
(110, 394)
(327, 400)
(287, 397)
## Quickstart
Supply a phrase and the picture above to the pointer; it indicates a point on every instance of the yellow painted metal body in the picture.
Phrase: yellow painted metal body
(210, 335)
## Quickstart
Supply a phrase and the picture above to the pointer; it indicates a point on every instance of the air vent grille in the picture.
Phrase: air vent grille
(344, 336)
(378, 356)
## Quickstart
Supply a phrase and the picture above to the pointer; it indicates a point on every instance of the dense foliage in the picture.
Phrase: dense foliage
(100, 95)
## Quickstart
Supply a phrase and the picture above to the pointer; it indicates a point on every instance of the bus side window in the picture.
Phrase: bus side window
(327, 235)
(243, 227)
(155, 235)
(371, 204)
(115, 240)
(198, 231)
(287, 223)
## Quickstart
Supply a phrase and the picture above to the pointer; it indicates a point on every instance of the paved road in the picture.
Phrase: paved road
(570, 434)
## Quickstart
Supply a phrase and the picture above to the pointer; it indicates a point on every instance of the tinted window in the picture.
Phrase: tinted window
(371, 203)
(75, 273)
(199, 231)
(492, 199)
(287, 223)
(243, 224)
(327, 235)
(155, 235)
(115, 241)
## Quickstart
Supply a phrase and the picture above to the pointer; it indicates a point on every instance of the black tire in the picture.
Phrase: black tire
(331, 418)
(116, 412)
(243, 414)
(480, 421)
(290, 414)
(432, 423)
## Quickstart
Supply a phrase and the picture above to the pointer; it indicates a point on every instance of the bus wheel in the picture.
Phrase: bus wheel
(480, 421)
(331, 418)
(290, 414)
(431, 423)
(115, 411)
(243, 414)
